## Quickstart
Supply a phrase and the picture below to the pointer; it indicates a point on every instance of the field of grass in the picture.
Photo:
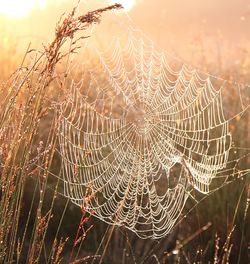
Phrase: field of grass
(39, 225)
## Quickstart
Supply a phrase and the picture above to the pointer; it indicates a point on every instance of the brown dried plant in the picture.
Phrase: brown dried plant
(21, 113)
(66, 29)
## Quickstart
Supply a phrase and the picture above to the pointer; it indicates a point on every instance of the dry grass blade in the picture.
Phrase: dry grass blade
(67, 28)
(22, 112)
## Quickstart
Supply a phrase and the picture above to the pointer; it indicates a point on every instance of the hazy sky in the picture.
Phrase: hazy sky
(171, 24)
(223, 26)
(180, 18)
(231, 17)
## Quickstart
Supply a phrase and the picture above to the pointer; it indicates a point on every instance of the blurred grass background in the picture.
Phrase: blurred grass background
(212, 36)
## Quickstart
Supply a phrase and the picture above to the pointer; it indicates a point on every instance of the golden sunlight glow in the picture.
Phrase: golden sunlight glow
(127, 4)
(19, 8)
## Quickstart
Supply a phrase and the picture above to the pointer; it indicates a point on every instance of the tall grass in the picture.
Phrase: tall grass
(23, 109)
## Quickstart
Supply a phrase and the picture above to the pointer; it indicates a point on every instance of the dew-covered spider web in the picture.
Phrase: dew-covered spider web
(142, 131)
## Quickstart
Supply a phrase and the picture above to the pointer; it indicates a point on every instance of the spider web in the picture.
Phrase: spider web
(141, 130)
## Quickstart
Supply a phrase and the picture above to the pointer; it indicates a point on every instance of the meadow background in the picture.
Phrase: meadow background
(38, 225)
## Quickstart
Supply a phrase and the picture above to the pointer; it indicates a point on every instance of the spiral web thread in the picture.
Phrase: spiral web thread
(141, 130)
